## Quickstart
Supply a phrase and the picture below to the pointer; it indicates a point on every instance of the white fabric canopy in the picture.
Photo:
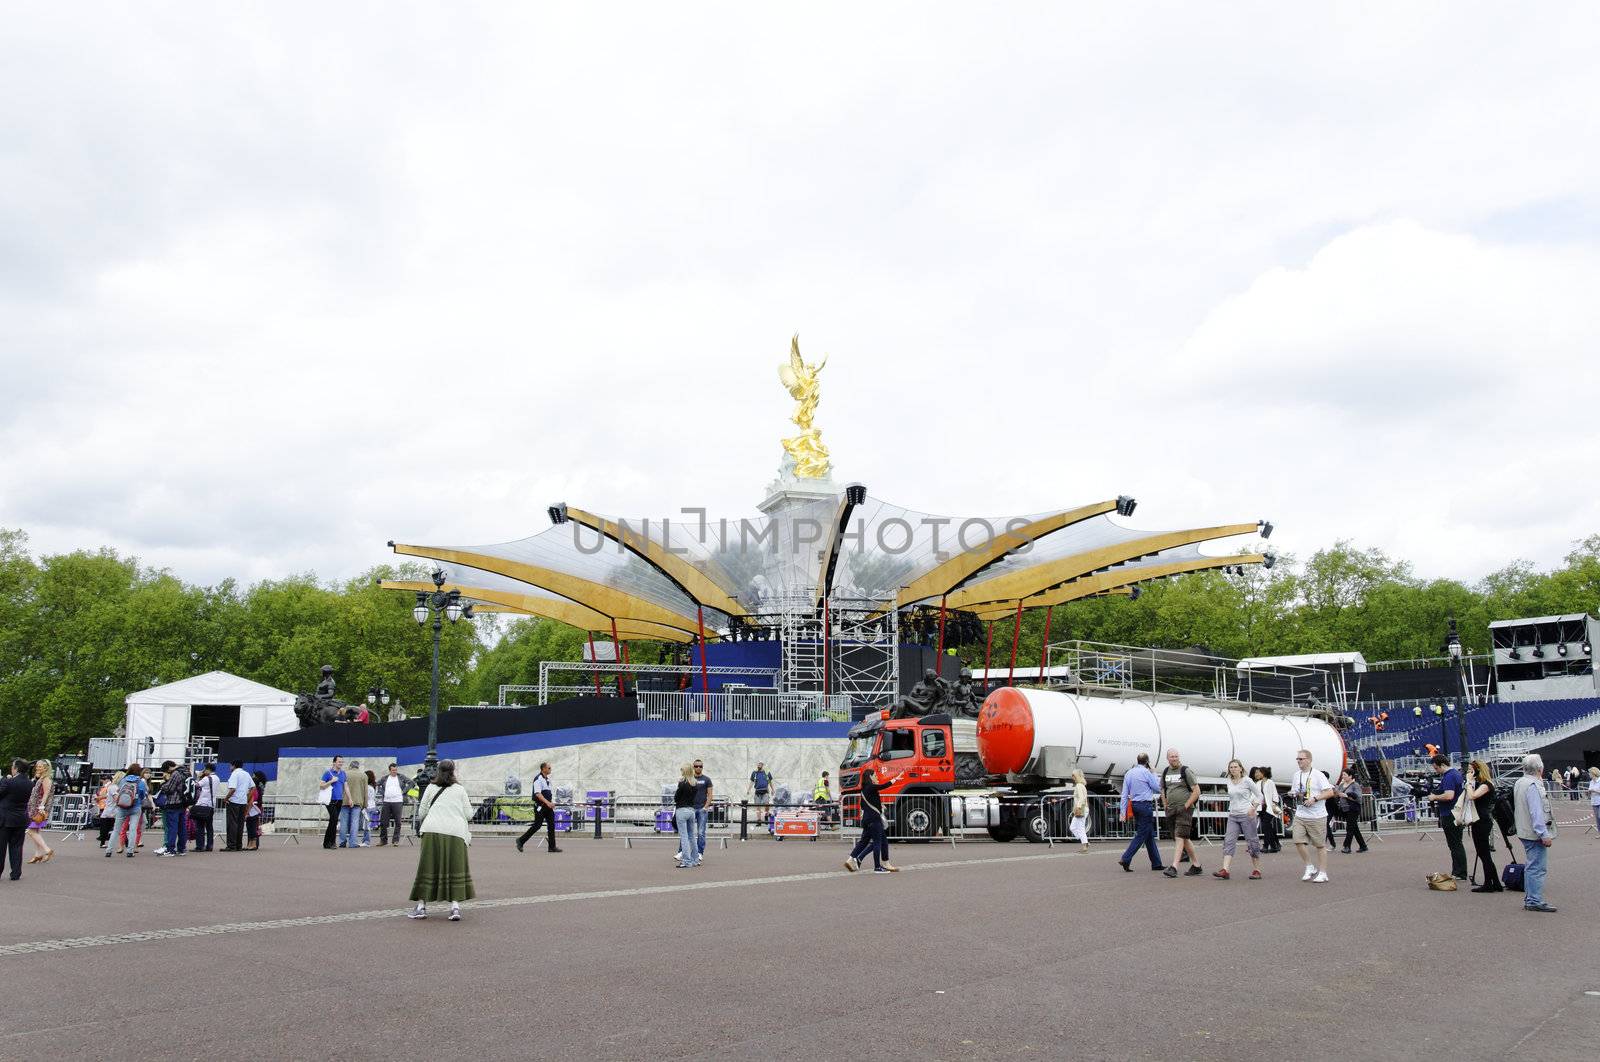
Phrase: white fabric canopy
(163, 712)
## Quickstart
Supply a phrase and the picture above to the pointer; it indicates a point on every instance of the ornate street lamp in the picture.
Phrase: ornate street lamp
(441, 605)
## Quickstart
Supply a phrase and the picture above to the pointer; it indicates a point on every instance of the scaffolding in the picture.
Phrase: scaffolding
(844, 646)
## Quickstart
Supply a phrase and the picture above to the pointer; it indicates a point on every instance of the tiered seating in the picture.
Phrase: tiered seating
(1484, 721)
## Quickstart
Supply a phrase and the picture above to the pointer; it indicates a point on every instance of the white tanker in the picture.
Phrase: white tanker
(1035, 738)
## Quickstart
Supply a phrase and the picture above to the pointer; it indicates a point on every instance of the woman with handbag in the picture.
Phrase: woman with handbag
(1079, 823)
(39, 811)
(1350, 810)
(1271, 810)
(1480, 793)
(442, 871)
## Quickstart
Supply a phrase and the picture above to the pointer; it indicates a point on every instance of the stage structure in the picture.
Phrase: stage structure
(825, 589)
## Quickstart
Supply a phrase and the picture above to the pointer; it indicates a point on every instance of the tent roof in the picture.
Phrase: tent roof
(214, 687)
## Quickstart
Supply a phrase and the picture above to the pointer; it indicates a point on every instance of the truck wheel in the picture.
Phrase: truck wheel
(1035, 827)
(1003, 834)
(919, 822)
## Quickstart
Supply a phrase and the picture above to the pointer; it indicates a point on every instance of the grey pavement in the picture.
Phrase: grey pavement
(774, 951)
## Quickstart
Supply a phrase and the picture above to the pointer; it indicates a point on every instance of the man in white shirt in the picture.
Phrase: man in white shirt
(544, 810)
(392, 799)
(1310, 791)
(238, 796)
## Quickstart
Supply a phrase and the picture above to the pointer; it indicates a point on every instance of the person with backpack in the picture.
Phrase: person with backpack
(1349, 803)
(442, 869)
(1480, 790)
(761, 785)
(206, 791)
(1536, 829)
(173, 798)
(1179, 794)
(132, 792)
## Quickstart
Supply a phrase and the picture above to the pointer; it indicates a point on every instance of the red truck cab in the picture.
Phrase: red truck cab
(914, 762)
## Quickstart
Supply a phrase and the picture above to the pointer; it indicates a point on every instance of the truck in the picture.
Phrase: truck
(1011, 768)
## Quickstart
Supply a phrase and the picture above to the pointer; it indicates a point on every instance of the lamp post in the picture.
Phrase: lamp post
(1452, 646)
(439, 605)
(377, 696)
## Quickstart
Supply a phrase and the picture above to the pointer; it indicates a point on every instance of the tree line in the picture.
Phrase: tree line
(80, 631)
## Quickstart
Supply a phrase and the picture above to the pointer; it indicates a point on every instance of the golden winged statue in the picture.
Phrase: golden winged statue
(810, 456)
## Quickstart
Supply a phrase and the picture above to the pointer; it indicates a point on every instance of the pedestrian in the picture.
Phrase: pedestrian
(392, 793)
(1451, 785)
(703, 803)
(1078, 824)
(1179, 794)
(1349, 802)
(173, 798)
(252, 814)
(1310, 790)
(761, 785)
(332, 787)
(39, 811)
(1244, 807)
(238, 797)
(544, 810)
(683, 819)
(822, 800)
(1139, 792)
(1480, 790)
(874, 839)
(368, 809)
(1536, 829)
(1271, 810)
(207, 790)
(1594, 795)
(15, 788)
(105, 806)
(132, 792)
(442, 869)
(353, 805)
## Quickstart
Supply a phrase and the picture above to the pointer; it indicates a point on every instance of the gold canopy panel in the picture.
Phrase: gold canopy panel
(949, 575)
(1026, 582)
(1116, 581)
(608, 601)
(569, 612)
(691, 580)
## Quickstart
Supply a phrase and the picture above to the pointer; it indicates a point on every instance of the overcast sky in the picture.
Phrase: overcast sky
(279, 282)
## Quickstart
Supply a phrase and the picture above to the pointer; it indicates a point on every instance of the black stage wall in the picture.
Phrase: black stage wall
(458, 724)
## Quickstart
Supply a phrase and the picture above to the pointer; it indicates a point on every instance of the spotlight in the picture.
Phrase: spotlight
(1126, 504)
(558, 513)
(1538, 651)
(1587, 650)
(1266, 528)
(1562, 649)
(1268, 560)
(1514, 654)
(855, 493)
(1133, 595)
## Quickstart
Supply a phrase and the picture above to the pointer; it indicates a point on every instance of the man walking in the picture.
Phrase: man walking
(1444, 801)
(1179, 793)
(1536, 829)
(1310, 790)
(392, 800)
(544, 811)
(333, 780)
(206, 792)
(761, 784)
(238, 797)
(702, 806)
(354, 805)
(1139, 792)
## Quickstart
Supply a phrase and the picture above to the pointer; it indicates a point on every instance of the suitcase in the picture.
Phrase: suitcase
(1511, 877)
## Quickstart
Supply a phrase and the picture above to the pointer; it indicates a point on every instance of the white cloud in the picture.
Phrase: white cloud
(283, 282)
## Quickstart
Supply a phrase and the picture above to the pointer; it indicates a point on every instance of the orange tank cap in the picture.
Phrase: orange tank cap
(1005, 731)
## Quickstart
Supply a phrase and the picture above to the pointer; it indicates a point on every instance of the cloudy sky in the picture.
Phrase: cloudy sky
(279, 282)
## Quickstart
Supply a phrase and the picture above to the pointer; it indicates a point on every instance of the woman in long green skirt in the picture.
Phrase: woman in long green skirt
(442, 872)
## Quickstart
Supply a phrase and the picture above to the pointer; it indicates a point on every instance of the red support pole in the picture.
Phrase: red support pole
(1016, 636)
(705, 679)
(616, 654)
(1044, 649)
(592, 660)
(988, 643)
(938, 663)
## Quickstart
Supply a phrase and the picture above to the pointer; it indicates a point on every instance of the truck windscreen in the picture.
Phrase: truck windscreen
(860, 750)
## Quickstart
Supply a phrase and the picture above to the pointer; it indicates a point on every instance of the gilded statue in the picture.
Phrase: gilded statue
(809, 455)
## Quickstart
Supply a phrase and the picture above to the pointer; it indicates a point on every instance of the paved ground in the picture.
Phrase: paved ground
(773, 951)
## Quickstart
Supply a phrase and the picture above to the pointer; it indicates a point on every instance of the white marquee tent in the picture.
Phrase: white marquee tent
(164, 714)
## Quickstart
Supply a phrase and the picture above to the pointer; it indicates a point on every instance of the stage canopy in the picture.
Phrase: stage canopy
(663, 579)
